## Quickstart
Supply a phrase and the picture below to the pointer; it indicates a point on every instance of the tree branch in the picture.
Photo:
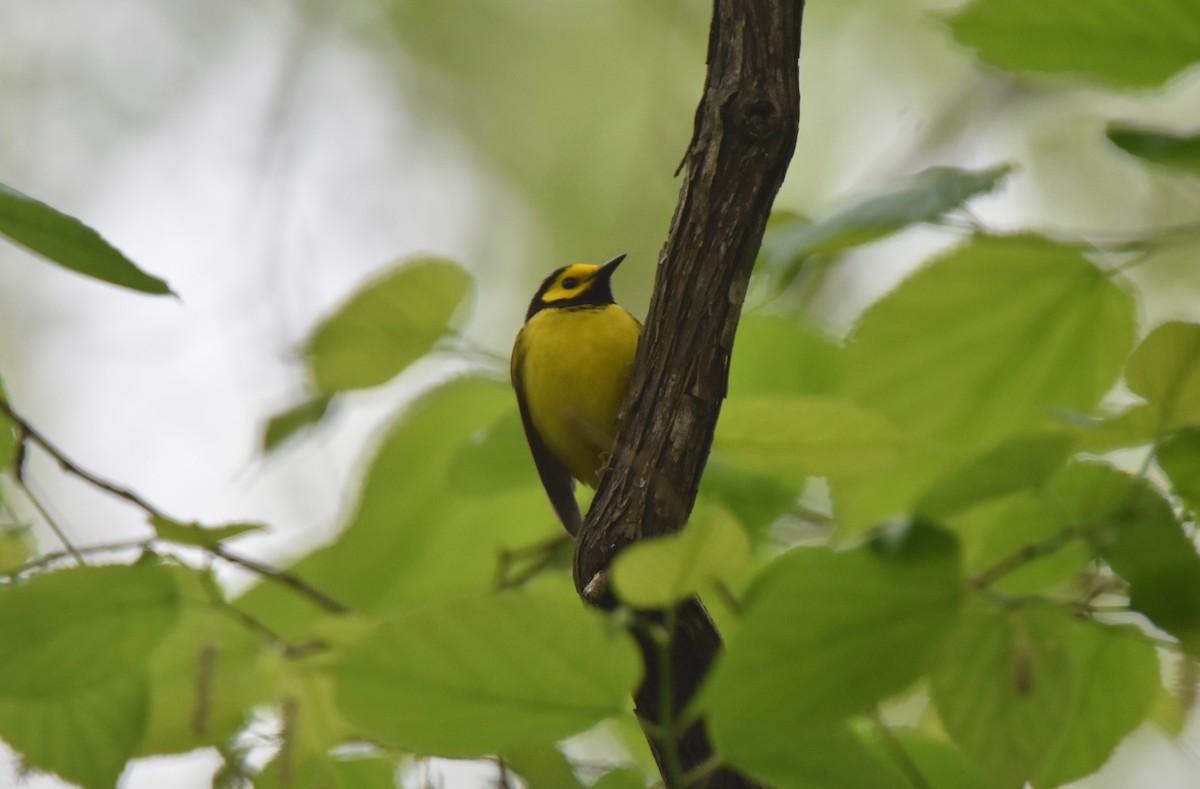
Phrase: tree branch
(744, 137)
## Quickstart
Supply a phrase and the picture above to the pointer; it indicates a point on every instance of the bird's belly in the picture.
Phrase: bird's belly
(575, 377)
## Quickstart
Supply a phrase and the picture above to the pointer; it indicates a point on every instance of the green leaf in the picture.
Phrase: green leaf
(987, 339)
(85, 736)
(1004, 689)
(1022, 462)
(1179, 458)
(1165, 369)
(756, 499)
(803, 434)
(940, 764)
(16, 547)
(477, 676)
(1109, 41)
(795, 665)
(924, 197)
(68, 242)
(207, 676)
(986, 342)
(287, 423)
(323, 771)
(198, 535)
(776, 355)
(484, 465)
(413, 537)
(656, 573)
(1102, 659)
(69, 630)
(1158, 147)
(998, 529)
(1028, 693)
(387, 325)
(542, 764)
(1134, 528)
(832, 758)
(1133, 427)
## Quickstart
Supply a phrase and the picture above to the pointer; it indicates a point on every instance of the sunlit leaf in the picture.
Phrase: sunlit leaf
(1134, 528)
(1158, 147)
(68, 242)
(993, 339)
(387, 325)
(1109, 41)
(940, 764)
(287, 423)
(1004, 689)
(755, 498)
(200, 535)
(1022, 462)
(120, 613)
(1165, 369)
(73, 689)
(808, 650)
(474, 676)
(85, 736)
(206, 676)
(803, 434)
(1133, 427)
(988, 338)
(323, 771)
(16, 547)
(1179, 457)
(830, 758)
(922, 198)
(658, 572)
(413, 536)
(999, 529)
(493, 460)
(1102, 659)
(542, 764)
(776, 355)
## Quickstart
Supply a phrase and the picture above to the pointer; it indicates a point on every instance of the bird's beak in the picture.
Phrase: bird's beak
(608, 268)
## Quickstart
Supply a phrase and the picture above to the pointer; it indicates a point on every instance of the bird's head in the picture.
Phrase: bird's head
(577, 285)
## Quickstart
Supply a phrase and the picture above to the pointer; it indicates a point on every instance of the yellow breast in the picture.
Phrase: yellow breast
(575, 365)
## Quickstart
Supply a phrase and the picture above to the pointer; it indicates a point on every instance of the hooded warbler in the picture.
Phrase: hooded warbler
(570, 368)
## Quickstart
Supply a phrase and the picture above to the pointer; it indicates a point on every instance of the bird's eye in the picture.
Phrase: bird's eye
(570, 283)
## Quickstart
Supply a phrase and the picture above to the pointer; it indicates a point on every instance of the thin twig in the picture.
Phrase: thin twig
(47, 559)
(539, 555)
(70, 467)
(284, 577)
(71, 550)
(256, 625)
(265, 570)
(1021, 557)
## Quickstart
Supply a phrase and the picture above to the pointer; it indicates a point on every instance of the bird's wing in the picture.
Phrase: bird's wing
(557, 481)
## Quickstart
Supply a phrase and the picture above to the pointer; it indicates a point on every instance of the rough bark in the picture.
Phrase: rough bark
(745, 133)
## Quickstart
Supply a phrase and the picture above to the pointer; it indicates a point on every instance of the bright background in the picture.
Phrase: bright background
(267, 157)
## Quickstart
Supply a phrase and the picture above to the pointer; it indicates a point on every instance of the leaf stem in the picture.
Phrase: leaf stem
(1021, 557)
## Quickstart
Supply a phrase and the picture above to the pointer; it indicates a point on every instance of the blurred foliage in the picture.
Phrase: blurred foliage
(936, 511)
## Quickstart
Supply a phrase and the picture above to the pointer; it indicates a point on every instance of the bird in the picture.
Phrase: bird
(571, 365)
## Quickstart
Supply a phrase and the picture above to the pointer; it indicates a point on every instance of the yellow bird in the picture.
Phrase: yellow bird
(570, 368)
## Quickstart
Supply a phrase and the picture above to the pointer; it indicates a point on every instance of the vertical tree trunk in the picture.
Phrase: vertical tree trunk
(745, 133)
